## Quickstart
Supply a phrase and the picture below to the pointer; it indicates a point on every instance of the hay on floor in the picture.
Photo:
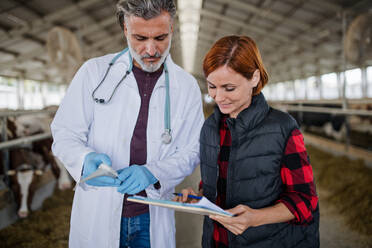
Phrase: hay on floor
(349, 183)
(48, 227)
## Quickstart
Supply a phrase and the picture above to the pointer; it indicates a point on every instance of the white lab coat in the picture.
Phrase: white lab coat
(82, 126)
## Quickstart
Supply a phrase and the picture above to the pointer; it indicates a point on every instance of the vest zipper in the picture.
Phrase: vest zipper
(229, 168)
(218, 172)
(230, 164)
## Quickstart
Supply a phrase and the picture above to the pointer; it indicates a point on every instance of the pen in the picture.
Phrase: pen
(189, 196)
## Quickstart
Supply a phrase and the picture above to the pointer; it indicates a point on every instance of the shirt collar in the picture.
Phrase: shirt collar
(250, 117)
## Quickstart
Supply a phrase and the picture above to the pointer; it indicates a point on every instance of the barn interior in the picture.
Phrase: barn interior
(318, 54)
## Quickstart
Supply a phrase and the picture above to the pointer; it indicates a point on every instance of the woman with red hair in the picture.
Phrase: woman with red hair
(253, 158)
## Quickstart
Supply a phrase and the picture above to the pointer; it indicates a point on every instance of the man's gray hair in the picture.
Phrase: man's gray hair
(145, 9)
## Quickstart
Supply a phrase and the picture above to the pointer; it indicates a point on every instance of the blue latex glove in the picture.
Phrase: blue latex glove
(91, 162)
(134, 179)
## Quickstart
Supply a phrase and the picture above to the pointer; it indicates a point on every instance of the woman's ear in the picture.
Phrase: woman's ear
(255, 78)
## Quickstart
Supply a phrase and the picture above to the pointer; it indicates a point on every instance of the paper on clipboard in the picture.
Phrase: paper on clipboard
(203, 207)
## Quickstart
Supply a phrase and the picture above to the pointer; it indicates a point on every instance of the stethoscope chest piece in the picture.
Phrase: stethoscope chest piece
(166, 137)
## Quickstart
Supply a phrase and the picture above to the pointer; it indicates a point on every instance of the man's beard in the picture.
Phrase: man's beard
(152, 66)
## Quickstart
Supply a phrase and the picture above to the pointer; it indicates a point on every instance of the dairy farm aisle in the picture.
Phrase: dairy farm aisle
(343, 223)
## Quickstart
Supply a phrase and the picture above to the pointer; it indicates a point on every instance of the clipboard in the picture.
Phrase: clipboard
(203, 207)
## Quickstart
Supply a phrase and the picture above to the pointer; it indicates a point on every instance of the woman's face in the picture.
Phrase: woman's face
(230, 90)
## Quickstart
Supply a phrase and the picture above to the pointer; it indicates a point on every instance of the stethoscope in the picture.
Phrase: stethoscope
(166, 136)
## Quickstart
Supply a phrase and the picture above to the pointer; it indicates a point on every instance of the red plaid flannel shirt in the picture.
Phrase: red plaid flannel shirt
(299, 193)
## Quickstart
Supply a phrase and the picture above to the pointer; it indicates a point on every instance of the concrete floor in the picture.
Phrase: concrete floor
(333, 231)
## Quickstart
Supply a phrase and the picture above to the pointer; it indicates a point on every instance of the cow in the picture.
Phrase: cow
(361, 124)
(40, 123)
(332, 125)
(27, 164)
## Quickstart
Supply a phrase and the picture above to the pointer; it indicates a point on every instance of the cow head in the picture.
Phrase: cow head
(32, 124)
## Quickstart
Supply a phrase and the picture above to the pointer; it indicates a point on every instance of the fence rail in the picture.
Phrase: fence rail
(24, 112)
(337, 111)
(323, 101)
(24, 140)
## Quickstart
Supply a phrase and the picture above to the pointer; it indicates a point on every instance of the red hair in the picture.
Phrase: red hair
(239, 53)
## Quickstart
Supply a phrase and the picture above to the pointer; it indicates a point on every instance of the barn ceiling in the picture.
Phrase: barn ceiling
(24, 26)
(297, 38)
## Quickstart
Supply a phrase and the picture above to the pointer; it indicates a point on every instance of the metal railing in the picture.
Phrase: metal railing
(338, 111)
(24, 141)
(24, 112)
(323, 101)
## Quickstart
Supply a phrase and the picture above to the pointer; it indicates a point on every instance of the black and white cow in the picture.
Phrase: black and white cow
(332, 125)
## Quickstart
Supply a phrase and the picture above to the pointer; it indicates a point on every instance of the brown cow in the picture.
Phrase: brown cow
(40, 123)
(28, 164)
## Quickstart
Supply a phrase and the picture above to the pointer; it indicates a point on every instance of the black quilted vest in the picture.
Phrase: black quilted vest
(259, 135)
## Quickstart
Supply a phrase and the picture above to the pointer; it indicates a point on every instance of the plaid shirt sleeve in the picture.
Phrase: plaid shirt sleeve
(299, 193)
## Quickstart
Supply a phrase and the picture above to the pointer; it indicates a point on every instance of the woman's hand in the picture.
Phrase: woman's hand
(244, 217)
(185, 193)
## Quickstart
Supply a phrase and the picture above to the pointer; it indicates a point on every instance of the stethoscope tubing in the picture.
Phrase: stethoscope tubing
(166, 136)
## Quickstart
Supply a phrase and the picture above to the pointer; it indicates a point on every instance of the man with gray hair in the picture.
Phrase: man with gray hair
(139, 114)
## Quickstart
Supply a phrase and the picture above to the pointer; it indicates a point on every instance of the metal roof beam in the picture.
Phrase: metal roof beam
(212, 38)
(237, 23)
(40, 24)
(265, 13)
(92, 28)
(4, 50)
(98, 24)
(108, 40)
(283, 51)
(327, 4)
(30, 73)
(317, 30)
(26, 4)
